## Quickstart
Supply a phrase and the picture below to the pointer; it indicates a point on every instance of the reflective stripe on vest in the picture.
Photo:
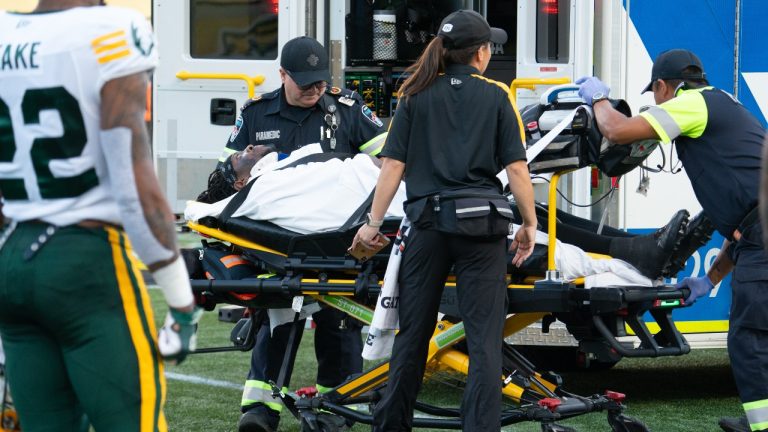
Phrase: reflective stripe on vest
(374, 145)
(757, 414)
(261, 392)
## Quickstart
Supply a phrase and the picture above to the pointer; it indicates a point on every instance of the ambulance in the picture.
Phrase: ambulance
(215, 54)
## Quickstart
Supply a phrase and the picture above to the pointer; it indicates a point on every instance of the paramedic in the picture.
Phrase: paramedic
(719, 143)
(453, 130)
(75, 317)
(304, 110)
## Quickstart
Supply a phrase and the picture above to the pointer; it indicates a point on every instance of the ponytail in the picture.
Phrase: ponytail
(432, 63)
(429, 65)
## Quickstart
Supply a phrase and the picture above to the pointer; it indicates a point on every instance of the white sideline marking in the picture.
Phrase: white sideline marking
(200, 380)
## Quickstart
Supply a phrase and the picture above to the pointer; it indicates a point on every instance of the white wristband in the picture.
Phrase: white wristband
(173, 279)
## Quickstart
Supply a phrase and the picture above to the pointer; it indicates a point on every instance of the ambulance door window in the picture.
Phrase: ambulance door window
(223, 29)
(552, 35)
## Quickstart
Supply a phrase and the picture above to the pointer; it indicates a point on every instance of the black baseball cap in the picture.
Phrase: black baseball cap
(305, 60)
(465, 28)
(671, 64)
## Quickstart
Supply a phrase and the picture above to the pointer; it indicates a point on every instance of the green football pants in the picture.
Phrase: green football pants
(78, 332)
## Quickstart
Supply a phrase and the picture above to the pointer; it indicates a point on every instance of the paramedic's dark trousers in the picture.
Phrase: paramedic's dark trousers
(480, 266)
(338, 345)
(748, 330)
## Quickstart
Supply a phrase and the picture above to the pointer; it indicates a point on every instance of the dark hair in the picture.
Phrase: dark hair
(690, 83)
(432, 62)
(218, 188)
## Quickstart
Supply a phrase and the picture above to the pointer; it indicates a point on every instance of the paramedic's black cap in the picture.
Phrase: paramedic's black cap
(305, 60)
(466, 28)
(671, 64)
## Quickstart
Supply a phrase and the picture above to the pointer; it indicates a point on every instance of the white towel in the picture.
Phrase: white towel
(381, 333)
(283, 316)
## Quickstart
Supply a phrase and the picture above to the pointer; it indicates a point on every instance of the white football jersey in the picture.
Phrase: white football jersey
(52, 68)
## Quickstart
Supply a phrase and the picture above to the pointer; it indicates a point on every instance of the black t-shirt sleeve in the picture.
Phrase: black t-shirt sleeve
(396, 145)
(511, 145)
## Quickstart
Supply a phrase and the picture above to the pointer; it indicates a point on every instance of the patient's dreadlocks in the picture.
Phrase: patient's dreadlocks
(219, 187)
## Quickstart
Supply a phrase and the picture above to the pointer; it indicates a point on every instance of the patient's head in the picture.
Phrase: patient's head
(232, 174)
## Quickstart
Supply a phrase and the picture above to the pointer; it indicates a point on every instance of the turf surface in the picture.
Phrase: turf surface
(687, 393)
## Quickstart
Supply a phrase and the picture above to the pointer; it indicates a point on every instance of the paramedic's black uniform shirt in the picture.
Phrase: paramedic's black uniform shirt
(445, 148)
(268, 119)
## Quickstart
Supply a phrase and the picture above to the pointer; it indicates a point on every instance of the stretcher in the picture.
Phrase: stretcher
(317, 267)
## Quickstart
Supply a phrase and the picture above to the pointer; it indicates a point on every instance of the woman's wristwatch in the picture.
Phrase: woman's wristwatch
(373, 223)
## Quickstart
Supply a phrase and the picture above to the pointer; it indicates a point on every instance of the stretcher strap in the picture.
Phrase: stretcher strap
(357, 214)
(290, 352)
(235, 203)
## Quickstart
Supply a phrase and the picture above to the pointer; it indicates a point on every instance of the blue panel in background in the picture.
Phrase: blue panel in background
(753, 55)
(706, 27)
(705, 309)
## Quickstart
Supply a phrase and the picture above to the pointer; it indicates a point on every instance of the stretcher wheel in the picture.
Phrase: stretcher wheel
(326, 423)
(623, 423)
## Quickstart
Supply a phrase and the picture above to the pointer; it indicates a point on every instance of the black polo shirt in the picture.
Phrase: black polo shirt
(456, 134)
(268, 119)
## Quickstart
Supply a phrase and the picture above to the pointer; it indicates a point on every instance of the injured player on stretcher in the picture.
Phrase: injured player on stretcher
(309, 191)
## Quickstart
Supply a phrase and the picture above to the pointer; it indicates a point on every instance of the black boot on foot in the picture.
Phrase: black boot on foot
(650, 254)
(699, 231)
(259, 419)
(734, 424)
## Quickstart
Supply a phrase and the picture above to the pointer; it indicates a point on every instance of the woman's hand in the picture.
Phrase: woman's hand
(368, 236)
(523, 244)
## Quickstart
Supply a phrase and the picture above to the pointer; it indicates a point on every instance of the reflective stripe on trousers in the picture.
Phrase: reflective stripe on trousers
(757, 414)
(261, 392)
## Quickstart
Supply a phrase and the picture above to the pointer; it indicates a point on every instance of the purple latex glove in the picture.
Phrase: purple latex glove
(589, 86)
(699, 286)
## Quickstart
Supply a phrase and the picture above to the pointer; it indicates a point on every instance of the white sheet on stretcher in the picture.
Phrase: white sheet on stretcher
(309, 198)
(572, 261)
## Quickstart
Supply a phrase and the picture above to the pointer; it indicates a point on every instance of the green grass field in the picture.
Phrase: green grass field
(687, 393)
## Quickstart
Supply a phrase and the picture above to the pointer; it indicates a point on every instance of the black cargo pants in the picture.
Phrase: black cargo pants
(480, 267)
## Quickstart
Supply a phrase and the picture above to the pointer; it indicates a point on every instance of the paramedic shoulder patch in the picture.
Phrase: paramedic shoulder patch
(236, 130)
(370, 115)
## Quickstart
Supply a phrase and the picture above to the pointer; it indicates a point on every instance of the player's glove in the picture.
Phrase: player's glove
(178, 336)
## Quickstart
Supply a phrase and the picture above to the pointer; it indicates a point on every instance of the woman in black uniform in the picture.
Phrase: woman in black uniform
(453, 131)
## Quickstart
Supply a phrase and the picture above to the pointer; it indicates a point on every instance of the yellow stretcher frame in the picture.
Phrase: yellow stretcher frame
(445, 356)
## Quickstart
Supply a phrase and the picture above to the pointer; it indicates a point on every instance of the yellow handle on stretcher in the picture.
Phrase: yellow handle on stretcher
(250, 81)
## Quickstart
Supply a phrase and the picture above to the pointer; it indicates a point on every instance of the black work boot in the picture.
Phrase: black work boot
(734, 424)
(650, 254)
(259, 419)
(698, 233)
